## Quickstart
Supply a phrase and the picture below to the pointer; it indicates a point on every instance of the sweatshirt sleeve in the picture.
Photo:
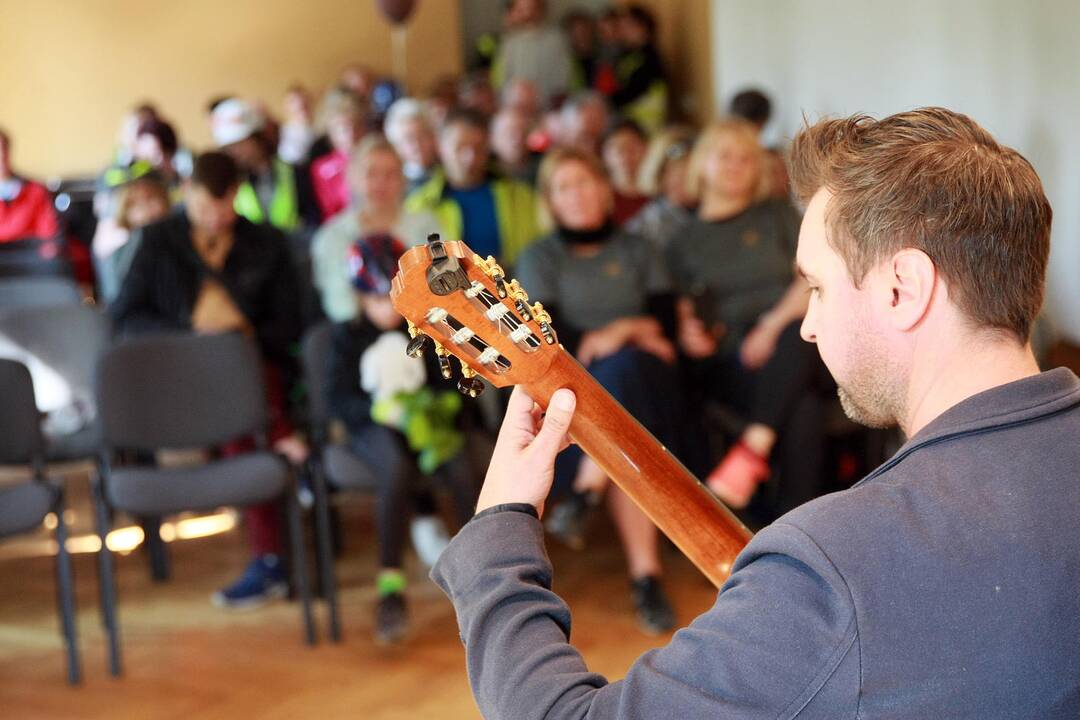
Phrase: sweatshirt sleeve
(780, 628)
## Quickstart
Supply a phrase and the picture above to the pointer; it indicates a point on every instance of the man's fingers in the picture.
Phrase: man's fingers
(519, 422)
(549, 441)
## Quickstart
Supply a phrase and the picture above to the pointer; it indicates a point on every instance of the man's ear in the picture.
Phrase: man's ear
(910, 279)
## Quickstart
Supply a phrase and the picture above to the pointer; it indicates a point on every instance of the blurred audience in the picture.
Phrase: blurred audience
(642, 91)
(268, 191)
(156, 143)
(342, 119)
(755, 106)
(26, 209)
(138, 196)
(610, 299)
(378, 186)
(521, 95)
(493, 215)
(663, 177)
(742, 306)
(623, 151)
(580, 29)
(583, 119)
(476, 94)
(534, 50)
(410, 130)
(208, 270)
(298, 130)
(401, 417)
(509, 144)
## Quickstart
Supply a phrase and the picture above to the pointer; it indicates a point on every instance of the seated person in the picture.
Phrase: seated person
(270, 190)
(493, 215)
(342, 119)
(609, 301)
(509, 144)
(378, 184)
(401, 418)
(623, 151)
(409, 128)
(642, 93)
(26, 209)
(663, 176)
(737, 257)
(204, 269)
(135, 196)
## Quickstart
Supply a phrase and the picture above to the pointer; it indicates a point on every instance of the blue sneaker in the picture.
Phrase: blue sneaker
(262, 581)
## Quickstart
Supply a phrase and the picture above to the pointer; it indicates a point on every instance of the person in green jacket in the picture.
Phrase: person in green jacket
(493, 215)
(270, 193)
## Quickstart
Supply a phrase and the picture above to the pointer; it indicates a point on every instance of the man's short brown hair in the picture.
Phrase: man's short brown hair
(933, 180)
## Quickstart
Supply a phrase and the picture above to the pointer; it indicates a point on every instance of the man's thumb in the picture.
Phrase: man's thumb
(556, 422)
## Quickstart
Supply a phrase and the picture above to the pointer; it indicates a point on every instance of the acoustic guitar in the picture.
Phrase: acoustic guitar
(463, 306)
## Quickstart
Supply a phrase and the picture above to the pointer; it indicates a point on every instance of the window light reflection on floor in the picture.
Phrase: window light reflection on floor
(126, 539)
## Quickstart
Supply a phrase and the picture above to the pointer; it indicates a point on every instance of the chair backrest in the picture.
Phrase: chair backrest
(69, 338)
(315, 356)
(20, 423)
(34, 257)
(38, 291)
(180, 391)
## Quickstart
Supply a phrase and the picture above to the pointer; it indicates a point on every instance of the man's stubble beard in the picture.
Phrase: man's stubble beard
(873, 395)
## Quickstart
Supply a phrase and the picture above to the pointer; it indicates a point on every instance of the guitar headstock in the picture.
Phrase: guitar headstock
(460, 304)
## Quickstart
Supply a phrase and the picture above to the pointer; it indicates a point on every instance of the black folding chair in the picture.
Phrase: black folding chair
(188, 391)
(331, 463)
(23, 507)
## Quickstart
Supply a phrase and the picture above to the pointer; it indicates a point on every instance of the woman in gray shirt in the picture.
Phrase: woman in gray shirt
(606, 291)
(741, 309)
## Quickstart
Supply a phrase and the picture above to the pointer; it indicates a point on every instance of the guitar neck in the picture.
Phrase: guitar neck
(680, 506)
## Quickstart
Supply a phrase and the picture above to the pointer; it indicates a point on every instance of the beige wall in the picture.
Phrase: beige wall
(72, 68)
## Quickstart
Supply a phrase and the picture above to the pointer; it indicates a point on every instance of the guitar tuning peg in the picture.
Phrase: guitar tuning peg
(469, 384)
(418, 344)
(523, 309)
(514, 289)
(544, 320)
(491, 266)
(444, 361)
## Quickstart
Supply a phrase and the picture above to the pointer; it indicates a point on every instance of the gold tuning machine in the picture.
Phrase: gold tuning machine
(544, 320)
(521, 299)
(491, 266)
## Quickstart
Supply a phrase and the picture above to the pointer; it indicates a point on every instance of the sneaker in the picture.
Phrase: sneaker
(567, 521)
(391, 619)
(736, 478)
(654, 613)
(262, 581)
(429, 538)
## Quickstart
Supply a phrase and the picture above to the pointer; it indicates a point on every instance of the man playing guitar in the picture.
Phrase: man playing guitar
(942, 585)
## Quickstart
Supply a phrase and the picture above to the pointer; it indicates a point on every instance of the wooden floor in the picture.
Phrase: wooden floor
(187, 659)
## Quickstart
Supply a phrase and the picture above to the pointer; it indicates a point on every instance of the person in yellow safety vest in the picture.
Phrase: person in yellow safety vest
(493, 215)
(270, 193)
(642, 93)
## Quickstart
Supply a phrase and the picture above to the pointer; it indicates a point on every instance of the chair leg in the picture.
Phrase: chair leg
(106, 580)
(324, 549)
(299, 563)
(65, 586)
(157, 551)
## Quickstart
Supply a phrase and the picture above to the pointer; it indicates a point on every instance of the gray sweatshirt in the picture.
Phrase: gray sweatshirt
(946, 584)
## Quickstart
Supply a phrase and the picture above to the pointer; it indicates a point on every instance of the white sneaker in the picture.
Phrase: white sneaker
(429, 538)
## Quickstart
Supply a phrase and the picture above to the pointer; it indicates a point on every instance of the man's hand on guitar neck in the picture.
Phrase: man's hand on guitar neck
(523, 465)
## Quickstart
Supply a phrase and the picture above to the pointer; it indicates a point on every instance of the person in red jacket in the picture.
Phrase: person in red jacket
(26, 209)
